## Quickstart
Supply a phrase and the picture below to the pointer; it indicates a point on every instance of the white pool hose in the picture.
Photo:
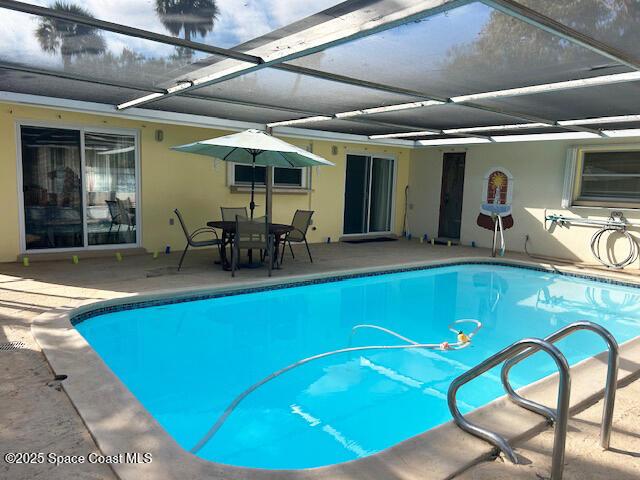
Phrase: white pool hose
(633, 247)
(464, 340)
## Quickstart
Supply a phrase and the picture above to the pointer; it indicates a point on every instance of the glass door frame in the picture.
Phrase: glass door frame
(392, 220)
(82, 129)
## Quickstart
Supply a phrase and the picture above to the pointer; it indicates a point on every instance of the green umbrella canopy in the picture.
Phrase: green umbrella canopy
(255, 148)
(254, 145)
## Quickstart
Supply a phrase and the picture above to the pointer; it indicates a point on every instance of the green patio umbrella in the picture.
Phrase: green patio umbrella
(255, 148)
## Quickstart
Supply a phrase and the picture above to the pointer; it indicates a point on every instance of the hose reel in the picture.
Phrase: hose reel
(618, 224)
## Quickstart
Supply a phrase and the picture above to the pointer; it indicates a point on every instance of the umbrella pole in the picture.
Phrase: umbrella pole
(252, 204)
(269, 193)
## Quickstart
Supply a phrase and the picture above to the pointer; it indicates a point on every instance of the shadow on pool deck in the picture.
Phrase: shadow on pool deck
(585, 459)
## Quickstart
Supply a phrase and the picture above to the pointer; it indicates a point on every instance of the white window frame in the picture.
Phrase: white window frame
(573, 179)
(231, 178)
(83, 130)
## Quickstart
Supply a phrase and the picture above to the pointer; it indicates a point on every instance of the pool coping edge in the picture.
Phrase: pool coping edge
(94, 390)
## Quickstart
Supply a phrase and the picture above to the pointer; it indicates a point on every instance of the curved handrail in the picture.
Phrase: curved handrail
(461, 343)
(562, 406)
(610, 385)
(498, 227)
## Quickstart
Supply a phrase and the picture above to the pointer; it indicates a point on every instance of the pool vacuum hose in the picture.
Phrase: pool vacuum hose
(463, 341)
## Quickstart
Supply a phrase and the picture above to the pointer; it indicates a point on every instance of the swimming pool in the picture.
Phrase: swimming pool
(187, 361)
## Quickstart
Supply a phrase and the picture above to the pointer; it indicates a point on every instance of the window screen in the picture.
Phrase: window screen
(610, 177)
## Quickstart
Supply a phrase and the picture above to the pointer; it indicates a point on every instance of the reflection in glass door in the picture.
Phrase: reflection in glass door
(110, 176)
(368, 194)
(52, 188)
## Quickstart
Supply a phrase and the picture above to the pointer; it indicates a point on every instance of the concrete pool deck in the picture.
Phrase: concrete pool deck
(41, 418)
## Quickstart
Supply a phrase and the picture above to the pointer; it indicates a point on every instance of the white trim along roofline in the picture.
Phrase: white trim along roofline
(187, 119)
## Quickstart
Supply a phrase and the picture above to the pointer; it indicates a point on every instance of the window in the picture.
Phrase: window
(240, 175)
(79, 188)
(606, 177)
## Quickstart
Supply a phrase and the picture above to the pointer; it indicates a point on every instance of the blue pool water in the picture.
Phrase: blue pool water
(186, 362)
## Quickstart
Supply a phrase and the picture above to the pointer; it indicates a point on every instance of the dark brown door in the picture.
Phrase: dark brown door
(451, 195)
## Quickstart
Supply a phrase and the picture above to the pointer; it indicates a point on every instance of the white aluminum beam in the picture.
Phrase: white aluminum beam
(520, 126)
(467, 100)
(347, 27)
(120, 84)
(514, 138)
(550, 87)
(601, 120)
(185, 119)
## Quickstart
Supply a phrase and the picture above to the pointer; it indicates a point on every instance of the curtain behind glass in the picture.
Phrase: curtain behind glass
(381, 189)
(111, 188)
(52, 187)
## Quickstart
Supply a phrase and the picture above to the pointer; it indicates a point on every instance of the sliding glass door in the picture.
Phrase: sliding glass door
(79, 188)
(368, 194)
(52, 188)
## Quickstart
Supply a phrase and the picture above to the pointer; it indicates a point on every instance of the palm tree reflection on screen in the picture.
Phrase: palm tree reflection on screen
(68, 38)
(193, 17)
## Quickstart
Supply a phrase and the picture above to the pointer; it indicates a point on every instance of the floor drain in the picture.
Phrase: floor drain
(12, 346)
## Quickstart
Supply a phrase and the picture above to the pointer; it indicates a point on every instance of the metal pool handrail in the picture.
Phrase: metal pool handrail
(498, 227)
(610, 385)
(564, 388)
(236, 401)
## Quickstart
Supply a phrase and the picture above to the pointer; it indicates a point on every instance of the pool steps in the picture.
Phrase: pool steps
(514, 354)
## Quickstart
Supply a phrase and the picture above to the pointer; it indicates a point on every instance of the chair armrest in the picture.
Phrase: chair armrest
(204, 230)
(304, 235)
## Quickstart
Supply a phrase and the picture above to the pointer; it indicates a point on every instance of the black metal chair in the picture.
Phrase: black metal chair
(114, 213)
(121, 213)
(197, 243)
(301, 222)
(250, 235)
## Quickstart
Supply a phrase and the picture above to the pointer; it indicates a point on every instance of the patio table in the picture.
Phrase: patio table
(278, 230)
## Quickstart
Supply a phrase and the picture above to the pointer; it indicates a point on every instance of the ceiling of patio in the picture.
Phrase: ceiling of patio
(417, 70)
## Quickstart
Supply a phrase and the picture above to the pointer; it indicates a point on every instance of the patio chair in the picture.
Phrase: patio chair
(120, 212)
(190, 237)
(229, 214)
(250, 235)
(114, 213)
(300, 224)
(127, 212)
